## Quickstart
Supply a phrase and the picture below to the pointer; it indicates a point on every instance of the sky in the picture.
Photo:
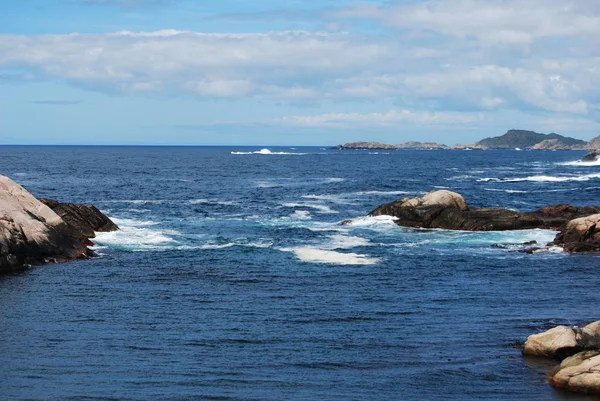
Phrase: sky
(291, 72)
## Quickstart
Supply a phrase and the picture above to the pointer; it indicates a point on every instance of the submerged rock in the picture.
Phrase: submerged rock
(448, 210)
(31, 233)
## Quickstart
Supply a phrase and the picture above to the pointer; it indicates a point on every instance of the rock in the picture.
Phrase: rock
(554, 343)
(448, 210)
(594, 143)
(421, 145)
(528, 139)
(555, 144)
(365, 145)
(592, 156)
(579, 373)
(87, 219)
(580, 234)
(562, 341)
(32, 234)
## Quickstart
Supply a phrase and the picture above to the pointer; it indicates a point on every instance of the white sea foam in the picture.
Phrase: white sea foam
(333, 179)
(580, 163)
(544, 178)
(211, 245)
(320, 208)
(510, 191)
(314, 255)
(211, 202)
(338, 241)
(373, 222)
(301, 215)
(136, 235)
(266, 151)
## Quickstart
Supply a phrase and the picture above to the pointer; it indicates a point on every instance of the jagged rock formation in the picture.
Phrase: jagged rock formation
(31, 233)
(448, 210)
(579, 351)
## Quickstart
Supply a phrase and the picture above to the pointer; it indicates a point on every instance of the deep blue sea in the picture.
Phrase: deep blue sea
(231, 278)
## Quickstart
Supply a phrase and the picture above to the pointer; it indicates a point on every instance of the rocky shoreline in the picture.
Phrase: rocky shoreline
(36, 232)
(579, 227)
(578, 351)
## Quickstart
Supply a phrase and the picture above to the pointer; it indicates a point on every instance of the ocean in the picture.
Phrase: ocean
(232, 279)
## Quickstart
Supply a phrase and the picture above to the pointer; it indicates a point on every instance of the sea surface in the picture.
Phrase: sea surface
(232, 279)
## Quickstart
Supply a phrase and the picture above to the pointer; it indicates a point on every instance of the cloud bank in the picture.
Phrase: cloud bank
(448, 56)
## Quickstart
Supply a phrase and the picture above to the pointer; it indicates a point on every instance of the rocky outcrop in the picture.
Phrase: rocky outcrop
(579, 351)
(31, 233)
(578, 373)
(365, 145)
(86, 219)
(448, 210)
(580, 235)
(383, 146)
(594, 143)
(421, 145)
(592, 156)
(555, 144)
(523, 139)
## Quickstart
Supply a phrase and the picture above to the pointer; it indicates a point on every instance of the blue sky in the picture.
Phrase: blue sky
(291, 72)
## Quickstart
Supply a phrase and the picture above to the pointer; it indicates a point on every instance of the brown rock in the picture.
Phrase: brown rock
(580, 234)
(448, 210)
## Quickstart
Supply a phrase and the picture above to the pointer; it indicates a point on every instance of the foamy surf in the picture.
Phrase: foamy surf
(372, 222)
(543, 178)
(137, 235)
(316, 206)
(315, 255)
(266, 151)
(579, 163)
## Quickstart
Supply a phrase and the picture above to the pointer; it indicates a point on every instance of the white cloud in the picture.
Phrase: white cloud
(493, 21)
(388, 119)
(451, 55)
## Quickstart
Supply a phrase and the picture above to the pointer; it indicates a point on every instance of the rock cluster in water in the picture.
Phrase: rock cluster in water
(448, 210)
(34, 233)
(578, 349)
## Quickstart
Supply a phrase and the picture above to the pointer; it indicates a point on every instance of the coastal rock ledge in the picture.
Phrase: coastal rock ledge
(579, 226)
(448, 210)
(578, 349)
(32, 233)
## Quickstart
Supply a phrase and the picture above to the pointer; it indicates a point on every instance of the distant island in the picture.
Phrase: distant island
(513, 139)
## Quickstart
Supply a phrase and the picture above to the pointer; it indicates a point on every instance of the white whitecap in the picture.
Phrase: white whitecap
(339, 241)
(543, 178)
(314, 255)
(301, 215)
(266, 151)
(319, 207)
(211, 202)
(580, 163)
(332, 180)
(136, 235)
(373, 221)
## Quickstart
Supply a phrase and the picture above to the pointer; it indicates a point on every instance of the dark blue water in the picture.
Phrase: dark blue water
(231, 278)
